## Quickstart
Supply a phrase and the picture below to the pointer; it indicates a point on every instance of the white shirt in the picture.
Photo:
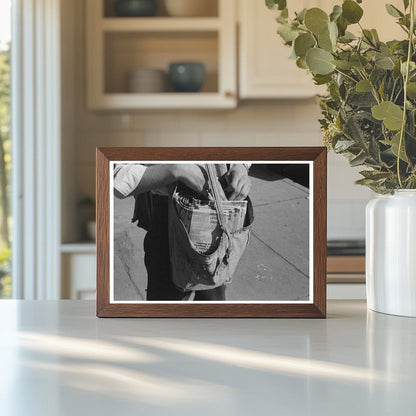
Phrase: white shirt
(128, 176)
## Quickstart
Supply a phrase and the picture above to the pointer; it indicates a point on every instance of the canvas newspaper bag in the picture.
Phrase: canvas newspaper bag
(206, 238)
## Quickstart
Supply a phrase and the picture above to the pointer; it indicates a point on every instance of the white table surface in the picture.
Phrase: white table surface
(57, 358)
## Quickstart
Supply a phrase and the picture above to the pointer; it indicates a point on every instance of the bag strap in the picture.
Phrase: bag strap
(214, 185)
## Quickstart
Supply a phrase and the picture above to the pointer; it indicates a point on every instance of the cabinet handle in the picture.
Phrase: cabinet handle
(229, 94)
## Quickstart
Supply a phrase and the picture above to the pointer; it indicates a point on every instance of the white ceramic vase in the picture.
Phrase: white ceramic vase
(391, 253)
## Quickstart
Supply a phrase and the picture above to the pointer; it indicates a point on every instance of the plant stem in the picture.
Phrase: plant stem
(346, 75)
(373, 88)
(406, 80)
(392, 91)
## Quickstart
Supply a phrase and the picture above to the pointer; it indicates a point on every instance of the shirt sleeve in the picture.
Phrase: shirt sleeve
(127, 178)
(246, 165)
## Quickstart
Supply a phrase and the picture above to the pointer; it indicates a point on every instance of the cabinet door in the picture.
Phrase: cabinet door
(78, 276)
(265, 68)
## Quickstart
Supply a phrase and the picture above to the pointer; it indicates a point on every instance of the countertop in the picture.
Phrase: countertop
(57, 358)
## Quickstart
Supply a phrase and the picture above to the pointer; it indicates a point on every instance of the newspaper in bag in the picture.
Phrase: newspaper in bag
(200, 220)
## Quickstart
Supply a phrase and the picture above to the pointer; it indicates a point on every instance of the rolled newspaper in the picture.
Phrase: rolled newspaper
(200, 219)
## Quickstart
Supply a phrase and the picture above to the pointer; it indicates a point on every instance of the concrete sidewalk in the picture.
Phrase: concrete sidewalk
(275, 265)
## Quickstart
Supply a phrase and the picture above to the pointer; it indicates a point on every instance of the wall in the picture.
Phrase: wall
(253, 123)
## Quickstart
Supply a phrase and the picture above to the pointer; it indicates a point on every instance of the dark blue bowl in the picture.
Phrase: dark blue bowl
(186, 76)
(135, 8)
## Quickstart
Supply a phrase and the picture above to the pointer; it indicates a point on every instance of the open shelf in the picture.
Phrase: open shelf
(167, 100)
(160, 24)
(127, 51)
(87, 247)
(210, 10)
(116, 46)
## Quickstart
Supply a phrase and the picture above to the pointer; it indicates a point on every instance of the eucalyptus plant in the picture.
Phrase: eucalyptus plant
(369, 111)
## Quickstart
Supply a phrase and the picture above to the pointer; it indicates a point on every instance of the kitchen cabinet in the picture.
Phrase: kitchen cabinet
(78, 262)
(79, 275)
(118, 45)
(265, 69)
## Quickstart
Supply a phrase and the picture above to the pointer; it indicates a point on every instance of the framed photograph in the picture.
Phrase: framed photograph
(211, 232)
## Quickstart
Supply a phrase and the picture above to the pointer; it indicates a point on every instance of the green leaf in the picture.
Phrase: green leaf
(382, 89)
(368, 36)
(303, 43)
(282, 4)
(405, 21)
(333, 32)
(388, 112)
(411, 90)
(412, 67)
(336, 12)
(363, 86)
(301, 63)
(374, 150)
(292, 52)
(375, 35)
(316, 20)
(347, 37)
(406, 4)
(320, 61)
(271, 4)
(287, 33)
(354, 132)
(358, 61)
(358, 160)
(281, 19)
(321, 79)
(365, 182)
(343, 145)
(301, 15)
(342, 25)
(344, 65)
(411, 123)
(396, 70)
(276, 4)
(362, 99)
(393, 11)
(351, 11)
(374, 174)
(394, 143)
(325, 42)
(384, 62)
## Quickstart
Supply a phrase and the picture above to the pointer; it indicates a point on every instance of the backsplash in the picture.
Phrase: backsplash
(286, 123)
(253, 123)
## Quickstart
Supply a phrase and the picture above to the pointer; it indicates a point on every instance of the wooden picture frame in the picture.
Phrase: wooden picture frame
(313, 307)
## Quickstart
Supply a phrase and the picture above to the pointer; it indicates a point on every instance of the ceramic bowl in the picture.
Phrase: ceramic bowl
(135, 8)
(147, 80)
(186, 76)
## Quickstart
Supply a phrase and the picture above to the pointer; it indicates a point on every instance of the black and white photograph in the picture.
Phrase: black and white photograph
(211, 232)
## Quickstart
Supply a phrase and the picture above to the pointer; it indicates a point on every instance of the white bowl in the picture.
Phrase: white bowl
(191, 8)
(147, 80)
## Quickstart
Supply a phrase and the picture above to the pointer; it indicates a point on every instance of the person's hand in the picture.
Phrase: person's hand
(192, 176)
(239, 183)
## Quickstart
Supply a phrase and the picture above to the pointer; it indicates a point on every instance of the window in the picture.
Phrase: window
(5, 147)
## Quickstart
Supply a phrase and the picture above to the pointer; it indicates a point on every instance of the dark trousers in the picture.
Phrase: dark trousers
(157, 260)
